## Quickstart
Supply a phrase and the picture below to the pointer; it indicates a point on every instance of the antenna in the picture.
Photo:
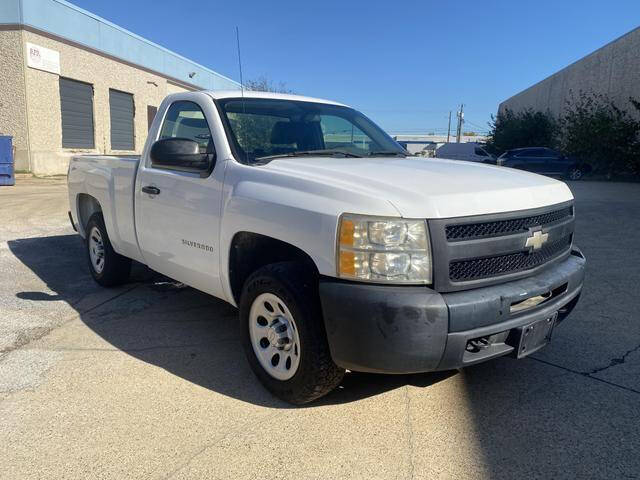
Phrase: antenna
(244, 111)
(239, 61)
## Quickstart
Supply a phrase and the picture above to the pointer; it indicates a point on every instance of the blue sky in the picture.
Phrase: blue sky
(404, 63)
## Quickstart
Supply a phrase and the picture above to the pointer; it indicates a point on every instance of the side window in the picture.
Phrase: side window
(480, 152)
(186, 120)
(539, 153)
(529, 152)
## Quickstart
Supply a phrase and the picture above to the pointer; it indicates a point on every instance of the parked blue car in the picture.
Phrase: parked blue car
(544, 161)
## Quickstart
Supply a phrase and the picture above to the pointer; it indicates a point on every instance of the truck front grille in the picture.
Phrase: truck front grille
(468, 231)
(471, 252)
(477, 268)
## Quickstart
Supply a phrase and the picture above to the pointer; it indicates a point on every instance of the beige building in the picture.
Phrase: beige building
(613, 70)
(71, 82)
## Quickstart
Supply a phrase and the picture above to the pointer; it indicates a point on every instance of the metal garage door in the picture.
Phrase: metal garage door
(121, 110)
(76, 103)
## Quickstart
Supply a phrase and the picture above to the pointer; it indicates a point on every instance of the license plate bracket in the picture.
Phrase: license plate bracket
(533, 336)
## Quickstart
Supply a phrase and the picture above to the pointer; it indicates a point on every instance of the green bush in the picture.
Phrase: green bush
(595, 130)
(527, 128)
(592, 128)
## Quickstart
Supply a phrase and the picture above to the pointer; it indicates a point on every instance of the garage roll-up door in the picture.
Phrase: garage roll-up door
(76, 103)
(121, 110)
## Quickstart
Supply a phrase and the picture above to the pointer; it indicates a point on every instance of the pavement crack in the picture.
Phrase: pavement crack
(142, 349)
(409, 430)
(241, 430)
(40, 332)
(586, 375)
(118, 295)
(616, 361)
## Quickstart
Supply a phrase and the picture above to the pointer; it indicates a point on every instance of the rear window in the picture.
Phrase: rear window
(481, 152)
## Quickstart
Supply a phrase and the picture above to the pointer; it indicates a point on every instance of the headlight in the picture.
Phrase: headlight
(385, 250)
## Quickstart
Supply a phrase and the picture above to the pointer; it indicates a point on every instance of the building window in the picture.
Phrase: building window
(76, 105)
(151, 115)
(121, 111)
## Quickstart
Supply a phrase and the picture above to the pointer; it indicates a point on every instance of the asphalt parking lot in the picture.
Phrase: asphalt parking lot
(149, 380)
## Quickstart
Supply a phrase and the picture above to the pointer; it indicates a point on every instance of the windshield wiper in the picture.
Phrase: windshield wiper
(389, 153)
(315, 153)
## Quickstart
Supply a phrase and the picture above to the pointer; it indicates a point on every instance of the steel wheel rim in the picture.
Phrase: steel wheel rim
(575, 174)
(96, 250)
(274, 336)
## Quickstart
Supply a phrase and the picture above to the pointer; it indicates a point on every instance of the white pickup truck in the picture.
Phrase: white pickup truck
(339, 249)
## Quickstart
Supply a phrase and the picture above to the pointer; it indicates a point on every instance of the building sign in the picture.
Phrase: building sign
(43, 58)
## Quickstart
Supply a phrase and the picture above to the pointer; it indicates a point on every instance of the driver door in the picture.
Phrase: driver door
(178, 225)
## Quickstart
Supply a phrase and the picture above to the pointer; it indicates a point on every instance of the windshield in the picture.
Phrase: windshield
(262, 129)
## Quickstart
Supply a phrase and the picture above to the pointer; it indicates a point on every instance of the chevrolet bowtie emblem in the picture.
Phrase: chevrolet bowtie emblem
(536, 240)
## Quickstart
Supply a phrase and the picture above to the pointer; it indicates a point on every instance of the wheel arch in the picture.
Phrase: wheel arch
(87, 205)
(250, 251)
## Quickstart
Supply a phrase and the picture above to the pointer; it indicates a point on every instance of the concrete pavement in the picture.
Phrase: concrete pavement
(149, 379)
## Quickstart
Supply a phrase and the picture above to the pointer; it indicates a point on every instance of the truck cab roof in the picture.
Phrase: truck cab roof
(221, 94)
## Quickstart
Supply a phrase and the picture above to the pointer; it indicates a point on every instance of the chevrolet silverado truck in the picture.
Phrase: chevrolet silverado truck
(340, 250)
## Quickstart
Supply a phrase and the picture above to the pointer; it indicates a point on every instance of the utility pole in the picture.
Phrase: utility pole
(449, 129)
(460, 122)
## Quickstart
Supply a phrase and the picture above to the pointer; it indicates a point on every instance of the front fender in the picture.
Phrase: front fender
(295, 210)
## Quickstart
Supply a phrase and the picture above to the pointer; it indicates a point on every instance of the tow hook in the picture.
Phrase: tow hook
(477, 344)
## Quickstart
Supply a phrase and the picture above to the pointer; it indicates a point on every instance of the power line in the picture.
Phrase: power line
(477, 126)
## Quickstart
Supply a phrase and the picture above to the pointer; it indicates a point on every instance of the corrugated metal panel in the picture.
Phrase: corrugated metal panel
(76, 103)
(121, 111)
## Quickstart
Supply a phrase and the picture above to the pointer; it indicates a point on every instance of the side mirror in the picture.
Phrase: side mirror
(181, 154)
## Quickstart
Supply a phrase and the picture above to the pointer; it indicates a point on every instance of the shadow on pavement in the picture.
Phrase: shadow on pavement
(573, 411)
(532, 420)
(164, 323)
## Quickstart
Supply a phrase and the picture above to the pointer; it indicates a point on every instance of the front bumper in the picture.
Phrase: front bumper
(402, 329)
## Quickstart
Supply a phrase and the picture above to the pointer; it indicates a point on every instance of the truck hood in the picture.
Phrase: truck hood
(430, 187)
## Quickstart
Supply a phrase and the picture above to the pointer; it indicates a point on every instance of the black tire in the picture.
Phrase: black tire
(316, 375)
(116, 268)
(575, 173)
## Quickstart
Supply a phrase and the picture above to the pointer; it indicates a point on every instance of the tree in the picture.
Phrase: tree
(527, 128)
(596, 130)
(263, 84)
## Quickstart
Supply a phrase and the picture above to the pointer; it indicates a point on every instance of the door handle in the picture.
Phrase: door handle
(151, 190)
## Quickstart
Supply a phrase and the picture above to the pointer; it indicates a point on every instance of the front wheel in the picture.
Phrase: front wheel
(575, 173)
(283, 334)
(107, 267)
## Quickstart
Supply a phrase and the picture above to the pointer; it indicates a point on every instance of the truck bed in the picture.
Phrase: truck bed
(111, 180)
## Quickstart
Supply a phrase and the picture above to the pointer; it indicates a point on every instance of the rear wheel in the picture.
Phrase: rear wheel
(107, 267)
(283, 333)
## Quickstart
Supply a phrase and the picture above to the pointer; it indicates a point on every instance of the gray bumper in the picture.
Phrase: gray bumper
(401, 329)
